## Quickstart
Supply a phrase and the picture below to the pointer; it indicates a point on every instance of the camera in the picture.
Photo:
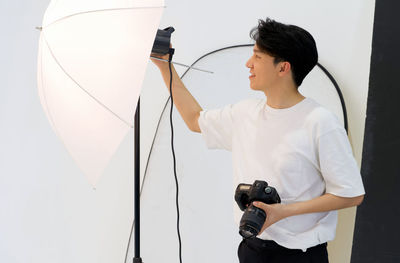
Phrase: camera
(253, 217)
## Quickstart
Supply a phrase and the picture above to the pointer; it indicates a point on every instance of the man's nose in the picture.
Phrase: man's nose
(248, 63)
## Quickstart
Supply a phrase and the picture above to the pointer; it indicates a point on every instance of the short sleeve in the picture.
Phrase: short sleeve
(338, 166)
(217, 127)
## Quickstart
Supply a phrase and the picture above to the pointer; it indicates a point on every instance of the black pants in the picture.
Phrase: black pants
(256, 250)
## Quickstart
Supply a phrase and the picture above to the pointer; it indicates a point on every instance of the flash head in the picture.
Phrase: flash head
(162, 41)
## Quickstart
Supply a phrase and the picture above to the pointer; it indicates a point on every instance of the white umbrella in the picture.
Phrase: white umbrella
(92, 60)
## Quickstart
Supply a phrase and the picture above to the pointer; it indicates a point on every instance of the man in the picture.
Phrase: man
(290, 141)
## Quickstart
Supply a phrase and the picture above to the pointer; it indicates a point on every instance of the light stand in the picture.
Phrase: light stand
(137, 258)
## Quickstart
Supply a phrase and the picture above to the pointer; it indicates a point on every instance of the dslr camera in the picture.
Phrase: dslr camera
(253, 217)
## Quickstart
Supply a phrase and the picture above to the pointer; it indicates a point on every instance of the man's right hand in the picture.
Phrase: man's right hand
(160, 64)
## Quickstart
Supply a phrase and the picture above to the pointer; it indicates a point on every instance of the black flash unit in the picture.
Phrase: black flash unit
(162, 41)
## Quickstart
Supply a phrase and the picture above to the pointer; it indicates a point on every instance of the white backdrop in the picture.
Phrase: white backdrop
(49, 213)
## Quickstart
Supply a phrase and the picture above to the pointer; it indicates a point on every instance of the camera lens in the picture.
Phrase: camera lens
(252, 221)
(247, 233)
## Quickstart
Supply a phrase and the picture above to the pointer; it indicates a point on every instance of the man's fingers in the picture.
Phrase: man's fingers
(260, 205)
(166, 57)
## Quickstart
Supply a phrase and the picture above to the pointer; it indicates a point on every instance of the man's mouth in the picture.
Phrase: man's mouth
(251, 76)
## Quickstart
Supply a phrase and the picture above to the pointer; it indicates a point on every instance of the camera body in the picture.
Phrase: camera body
(253, 217)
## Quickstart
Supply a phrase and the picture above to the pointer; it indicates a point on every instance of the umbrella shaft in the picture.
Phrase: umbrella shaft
(183, 65)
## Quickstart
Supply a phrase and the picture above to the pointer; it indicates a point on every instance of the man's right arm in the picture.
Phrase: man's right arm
(186, 104)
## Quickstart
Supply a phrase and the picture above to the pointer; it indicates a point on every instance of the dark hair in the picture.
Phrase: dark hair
(287, 43)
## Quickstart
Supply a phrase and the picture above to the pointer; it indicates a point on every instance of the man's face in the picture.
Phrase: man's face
(262, 69)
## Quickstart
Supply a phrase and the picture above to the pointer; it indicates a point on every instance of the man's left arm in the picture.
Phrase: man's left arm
(324, 203)
(343, 183)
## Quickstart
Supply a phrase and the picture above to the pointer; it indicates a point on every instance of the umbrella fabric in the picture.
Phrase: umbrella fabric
(92, 61)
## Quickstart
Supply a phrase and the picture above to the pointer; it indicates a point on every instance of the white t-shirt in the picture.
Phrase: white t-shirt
(303, 151)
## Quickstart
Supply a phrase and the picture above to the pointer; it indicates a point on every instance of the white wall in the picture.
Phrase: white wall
(49, 213)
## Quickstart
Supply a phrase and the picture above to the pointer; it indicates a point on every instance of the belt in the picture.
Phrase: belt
(271, 245)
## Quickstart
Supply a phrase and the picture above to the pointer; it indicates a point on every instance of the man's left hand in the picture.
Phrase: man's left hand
(274, 212)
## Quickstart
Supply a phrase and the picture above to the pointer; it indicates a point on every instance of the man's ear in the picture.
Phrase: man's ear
(285, 67)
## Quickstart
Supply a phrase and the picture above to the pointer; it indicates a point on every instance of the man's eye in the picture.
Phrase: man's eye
(258, 56)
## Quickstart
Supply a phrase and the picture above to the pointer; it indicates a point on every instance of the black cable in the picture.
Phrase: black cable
(173, 155)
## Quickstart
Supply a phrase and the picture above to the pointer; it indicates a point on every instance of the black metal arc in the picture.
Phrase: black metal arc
(339, 93)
